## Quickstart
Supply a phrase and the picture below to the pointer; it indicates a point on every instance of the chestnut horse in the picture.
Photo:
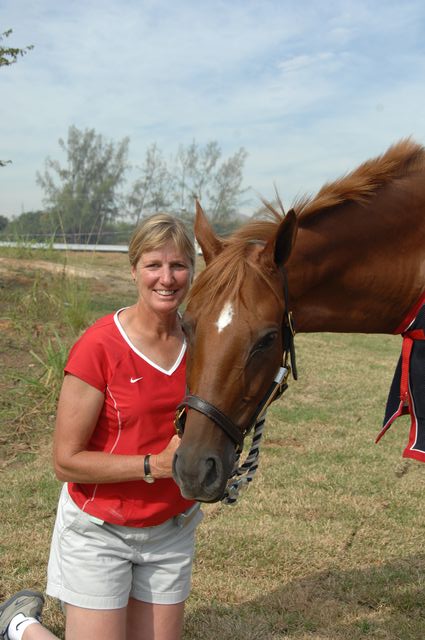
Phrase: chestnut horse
(351, 259)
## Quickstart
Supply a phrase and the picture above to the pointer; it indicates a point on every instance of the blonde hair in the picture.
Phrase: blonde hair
(157, 230)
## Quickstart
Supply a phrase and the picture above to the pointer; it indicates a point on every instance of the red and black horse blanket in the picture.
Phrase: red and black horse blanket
(407, 392)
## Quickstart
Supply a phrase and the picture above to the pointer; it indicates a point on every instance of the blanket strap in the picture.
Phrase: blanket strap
(409, 338)
(407, 321)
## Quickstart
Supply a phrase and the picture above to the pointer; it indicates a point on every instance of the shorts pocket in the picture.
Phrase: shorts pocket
(71, 517)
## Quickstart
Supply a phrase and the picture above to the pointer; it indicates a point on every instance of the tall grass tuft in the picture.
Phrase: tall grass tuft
(52, 360)
(56, 299)
(74, 302)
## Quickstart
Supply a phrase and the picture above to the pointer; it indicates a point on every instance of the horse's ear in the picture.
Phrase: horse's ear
(285, 238)
(279, 248)
(210, 244)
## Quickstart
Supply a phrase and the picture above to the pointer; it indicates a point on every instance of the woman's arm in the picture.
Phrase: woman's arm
(79, 408)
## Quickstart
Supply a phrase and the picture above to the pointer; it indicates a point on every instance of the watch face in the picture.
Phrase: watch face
(148, 479)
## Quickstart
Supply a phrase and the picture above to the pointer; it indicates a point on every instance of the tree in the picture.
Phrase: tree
(199, 174)
(194, 168)
(152, 190)
(3, 222)
(83, 196)
(36, 225)
(8, 56)
(195, 172)
(226, 192)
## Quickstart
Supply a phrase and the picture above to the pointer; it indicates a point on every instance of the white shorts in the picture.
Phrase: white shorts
(100, 566)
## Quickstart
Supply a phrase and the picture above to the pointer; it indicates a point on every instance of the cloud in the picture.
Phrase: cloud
(309, 89)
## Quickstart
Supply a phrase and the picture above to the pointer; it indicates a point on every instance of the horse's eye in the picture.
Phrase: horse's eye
(265, 342)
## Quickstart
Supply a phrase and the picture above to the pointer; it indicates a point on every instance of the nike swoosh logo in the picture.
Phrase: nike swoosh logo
(19, 623)
(133, 380)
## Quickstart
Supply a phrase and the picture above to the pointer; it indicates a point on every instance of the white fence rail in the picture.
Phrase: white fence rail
(118, 248)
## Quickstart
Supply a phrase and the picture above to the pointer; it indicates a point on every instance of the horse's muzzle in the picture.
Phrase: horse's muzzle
(201, 477)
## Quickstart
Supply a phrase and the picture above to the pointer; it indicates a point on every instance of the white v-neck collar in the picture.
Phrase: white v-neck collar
(153, 364)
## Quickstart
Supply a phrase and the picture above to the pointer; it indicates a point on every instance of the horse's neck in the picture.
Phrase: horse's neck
(356, 276)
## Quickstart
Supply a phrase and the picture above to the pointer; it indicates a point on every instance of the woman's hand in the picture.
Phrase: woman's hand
(162, 463)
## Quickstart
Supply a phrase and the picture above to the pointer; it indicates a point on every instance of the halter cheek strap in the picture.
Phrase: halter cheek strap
(288, 331)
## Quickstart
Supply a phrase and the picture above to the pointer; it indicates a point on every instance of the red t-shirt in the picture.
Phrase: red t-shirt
(137, 418)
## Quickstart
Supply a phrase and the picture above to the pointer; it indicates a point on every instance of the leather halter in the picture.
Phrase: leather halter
(279, 385)
(230, 428)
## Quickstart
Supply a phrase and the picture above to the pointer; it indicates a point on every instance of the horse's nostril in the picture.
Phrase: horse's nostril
(211, 473)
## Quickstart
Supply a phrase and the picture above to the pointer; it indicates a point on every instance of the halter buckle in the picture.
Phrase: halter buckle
(291, 323)
(179, 420)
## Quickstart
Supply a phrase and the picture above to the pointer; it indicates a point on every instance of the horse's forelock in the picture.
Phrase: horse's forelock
(224, 276)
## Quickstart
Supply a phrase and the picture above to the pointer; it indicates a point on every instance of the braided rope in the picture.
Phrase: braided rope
(243, 474)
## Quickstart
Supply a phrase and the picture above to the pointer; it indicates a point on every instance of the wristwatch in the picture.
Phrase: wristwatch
(148, 477)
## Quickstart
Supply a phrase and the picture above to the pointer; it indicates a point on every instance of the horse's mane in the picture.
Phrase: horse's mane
(364, 182)
(227, 272)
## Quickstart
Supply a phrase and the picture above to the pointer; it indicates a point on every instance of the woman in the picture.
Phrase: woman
(122, 547)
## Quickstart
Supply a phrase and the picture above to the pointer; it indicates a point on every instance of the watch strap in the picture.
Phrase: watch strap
(147, 469)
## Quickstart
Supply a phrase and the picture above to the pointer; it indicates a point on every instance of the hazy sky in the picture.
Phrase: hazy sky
(309, 88)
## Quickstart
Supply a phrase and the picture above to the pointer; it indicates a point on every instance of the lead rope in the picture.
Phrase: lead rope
(242, 475)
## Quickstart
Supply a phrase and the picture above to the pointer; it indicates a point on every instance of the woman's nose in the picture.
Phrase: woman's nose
(166, 275)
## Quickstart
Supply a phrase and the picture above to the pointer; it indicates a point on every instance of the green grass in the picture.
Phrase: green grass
(325, 544)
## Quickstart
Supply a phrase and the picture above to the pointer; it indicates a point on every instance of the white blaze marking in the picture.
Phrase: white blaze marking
(225, 318)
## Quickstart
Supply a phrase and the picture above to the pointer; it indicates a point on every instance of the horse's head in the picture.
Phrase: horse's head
(234, 326)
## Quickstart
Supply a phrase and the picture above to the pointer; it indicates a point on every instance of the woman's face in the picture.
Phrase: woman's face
(163, 278)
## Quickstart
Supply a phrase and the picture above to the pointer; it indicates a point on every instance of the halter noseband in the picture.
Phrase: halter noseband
(230, 428)
(209, 410)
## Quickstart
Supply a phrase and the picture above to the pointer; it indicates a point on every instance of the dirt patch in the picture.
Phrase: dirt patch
(21, 271)
(12, 266)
